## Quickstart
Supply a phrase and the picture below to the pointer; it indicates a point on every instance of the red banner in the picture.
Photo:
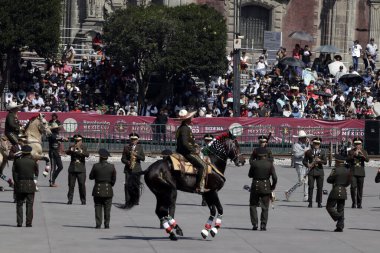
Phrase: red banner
(109, 126)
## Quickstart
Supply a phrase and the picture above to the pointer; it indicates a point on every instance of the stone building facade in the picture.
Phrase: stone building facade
(335, 22)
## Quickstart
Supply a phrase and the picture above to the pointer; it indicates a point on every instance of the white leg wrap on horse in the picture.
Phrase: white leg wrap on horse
(46, 171)
(172, 222)
(214, 232)
(218, 221)
(209, 222)
(204, 233)
(167, 227)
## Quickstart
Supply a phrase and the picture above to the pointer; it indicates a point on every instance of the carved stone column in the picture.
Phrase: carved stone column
(374, 25)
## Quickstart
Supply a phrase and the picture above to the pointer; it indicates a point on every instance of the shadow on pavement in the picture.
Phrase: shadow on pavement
(188, 204)
(78, 226)
(232, 228)
(314, 230)
(291, 205)
(148, 238)
(237, 205)
(366, 229)
(53, 202)
(158, 227)
(5, 201)
(7, 225)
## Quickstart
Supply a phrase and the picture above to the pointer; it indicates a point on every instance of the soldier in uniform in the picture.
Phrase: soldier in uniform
(133, 155)
(54, 145)
(15, 153)
(314, 160)
(77, 169)
(12, 124)
(104, 174)
(24, 171)
(263, 142)
(356, 158)
(261, 189)
(186, 146)
(340, 178)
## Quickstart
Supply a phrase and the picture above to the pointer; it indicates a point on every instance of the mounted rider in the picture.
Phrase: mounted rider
(12, 124)
(186, 146)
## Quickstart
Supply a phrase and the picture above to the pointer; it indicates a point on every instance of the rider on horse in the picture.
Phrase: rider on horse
(186, 146)
(12, 124)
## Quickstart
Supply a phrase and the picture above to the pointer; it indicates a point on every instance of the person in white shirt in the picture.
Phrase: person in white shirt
(38, 100)
(371, 50)
(356, 51)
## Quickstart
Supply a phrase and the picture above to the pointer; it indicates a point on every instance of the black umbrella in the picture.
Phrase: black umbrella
(328, 49)
(291, 61)
(301, 35)
(351, 79)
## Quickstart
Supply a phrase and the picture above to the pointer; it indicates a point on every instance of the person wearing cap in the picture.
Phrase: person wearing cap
(186, 146)
(261, 171)
(298, 152)
(104, 174)
(133, 155)
(54, 144)
(356, 158)
(25, 169)
(340, 178)
(77, 169)
(263, 141)
(314, 160)
(12, 124)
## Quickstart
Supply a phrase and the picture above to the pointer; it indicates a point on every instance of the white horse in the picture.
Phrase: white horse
(34, 129)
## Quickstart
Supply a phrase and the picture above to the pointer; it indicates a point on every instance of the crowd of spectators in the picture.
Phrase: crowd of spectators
(99, 85)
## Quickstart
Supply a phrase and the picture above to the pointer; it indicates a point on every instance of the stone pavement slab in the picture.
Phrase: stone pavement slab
(292, 227)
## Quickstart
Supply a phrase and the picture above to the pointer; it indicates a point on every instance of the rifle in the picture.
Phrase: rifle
(272, 195)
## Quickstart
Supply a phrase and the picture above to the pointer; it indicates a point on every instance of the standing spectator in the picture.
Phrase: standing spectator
(356, 51)
(24, 171)
(38, 100)
(160, 126)
(104, 174)
(54, 146)
(306, 55)
(297, 52)
(149, 109)
(371, 52)
(77, 169)
(133, 155)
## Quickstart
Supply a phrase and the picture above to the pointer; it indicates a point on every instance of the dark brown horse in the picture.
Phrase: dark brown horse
(164, 182)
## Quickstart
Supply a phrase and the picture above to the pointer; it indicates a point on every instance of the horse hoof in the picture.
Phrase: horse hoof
(173, 237)
(204, 233)
(213, 232)
(178, 231)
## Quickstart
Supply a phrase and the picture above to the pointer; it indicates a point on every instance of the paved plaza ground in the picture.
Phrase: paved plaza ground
(292, 226)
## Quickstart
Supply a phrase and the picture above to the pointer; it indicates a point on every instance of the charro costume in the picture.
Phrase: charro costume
(77, 169)
(54, 145)
(186, 146)
(261, 171)
(24, 171)
(133, 155)
(355, 159)
(12, 124)
(104, 174)
(314, 160)
(340, 178)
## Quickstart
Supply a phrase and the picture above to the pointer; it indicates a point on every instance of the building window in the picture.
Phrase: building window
(254, 20)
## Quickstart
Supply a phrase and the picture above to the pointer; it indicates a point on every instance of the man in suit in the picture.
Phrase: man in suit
(104, 174)
(77, 169)
(314, 160)
(186, 146)
(340, 178)
(24, 171)
(133, 155)
(356, 158)
(261, 171)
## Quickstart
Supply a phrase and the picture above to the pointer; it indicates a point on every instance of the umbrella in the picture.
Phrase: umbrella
(328, 49)
(334, 67)
(291, 61)
(307, 76)
(351, 79)
(301, 35)
(231, 100)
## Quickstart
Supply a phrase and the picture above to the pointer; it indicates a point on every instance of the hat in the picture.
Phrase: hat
(77, 137)
(340, 158)
(317, 140)
(54, 125)
(26, 149)
(97, 91)
(13, 105)
(263, 138)
(208, 137)
(294, 88)
(84, 57)
(103, 153)
(301, 134)
(184, 114)
(357, 141)
(134, 136)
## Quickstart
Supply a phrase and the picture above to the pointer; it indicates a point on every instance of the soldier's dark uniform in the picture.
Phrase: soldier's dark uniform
(263, 145)
(356, 163)
(131, 173)
(24, 171)
(340, 178)
(377, 178)
(12, 126)
(104, 174)
(186, 146)
(315, 173)
(260, 171)
(55, 158)
(77, 169)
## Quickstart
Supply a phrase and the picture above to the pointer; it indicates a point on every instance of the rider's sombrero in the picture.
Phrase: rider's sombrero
(13, 105)
(184, 114)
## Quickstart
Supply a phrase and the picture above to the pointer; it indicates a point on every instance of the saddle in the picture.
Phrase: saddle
(181, 164)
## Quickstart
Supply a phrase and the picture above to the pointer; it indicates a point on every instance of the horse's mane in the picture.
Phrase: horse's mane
(217, 146)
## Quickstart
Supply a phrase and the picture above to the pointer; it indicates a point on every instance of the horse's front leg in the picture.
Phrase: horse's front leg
(208, 197)
(41, 157)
